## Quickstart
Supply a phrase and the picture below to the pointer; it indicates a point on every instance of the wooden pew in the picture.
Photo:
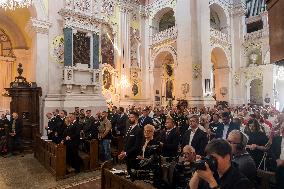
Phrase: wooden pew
(117, 147)
(52, 156)
(112, 181)
(91, 158)
(266, 178)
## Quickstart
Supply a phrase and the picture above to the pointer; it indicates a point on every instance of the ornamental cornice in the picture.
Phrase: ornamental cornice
(252, 72)
(37, 26)
(77, 20)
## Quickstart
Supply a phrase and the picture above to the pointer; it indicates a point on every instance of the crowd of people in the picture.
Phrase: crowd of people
(10, 134)
(217, 147)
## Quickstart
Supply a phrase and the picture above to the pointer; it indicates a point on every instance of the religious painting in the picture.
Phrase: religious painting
(107, 80)
(57, 49)
(169, 70)
(135, 89)
(81, 49)
(169, 89)
(107, 48)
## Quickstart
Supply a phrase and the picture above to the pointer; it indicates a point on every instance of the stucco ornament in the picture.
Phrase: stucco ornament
(253, 72)
(196, 68)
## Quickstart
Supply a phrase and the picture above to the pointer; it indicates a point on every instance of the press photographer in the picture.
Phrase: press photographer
(184, 170)
(225, 176)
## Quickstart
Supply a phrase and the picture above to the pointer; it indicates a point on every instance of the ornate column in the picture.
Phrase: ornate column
(125, 10)
(38, 30)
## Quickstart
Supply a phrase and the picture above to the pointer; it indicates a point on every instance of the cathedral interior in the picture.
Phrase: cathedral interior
(95, 54)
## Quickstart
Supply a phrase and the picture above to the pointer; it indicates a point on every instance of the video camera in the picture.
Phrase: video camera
(200, 164)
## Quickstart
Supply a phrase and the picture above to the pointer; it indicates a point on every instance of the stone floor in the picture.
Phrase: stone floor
(18, 172)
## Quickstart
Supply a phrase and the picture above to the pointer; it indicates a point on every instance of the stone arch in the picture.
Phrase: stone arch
(169, 49)
(220, 15)
(158, 16)
(163, 78)
(38, 11)
(220, 74)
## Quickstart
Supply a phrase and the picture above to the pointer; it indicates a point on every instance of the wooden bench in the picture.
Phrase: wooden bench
(266, 178)
(112, 181)
(91, 158)
(52, 156)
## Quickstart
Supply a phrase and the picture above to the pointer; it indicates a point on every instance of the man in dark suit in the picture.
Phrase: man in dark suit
(169, 139)
(145, 119)
(277, 153)
(121, 122)
(72, 140)
(226, 127)
(195, 137)
(90, 128)
(59, 127)
(15, 132)
(132, 142)
(50, 128)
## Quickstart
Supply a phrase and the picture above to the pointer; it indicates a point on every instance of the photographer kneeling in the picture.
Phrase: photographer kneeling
(215, 170)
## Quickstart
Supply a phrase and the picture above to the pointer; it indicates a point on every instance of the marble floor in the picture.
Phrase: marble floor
(26, 172)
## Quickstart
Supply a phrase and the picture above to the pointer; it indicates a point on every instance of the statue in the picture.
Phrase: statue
(20, 81)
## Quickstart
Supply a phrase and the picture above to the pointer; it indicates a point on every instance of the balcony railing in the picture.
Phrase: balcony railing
(256, 35)
(166, 35)
(219, 35)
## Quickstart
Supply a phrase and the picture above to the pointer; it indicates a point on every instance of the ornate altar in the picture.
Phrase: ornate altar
(25, 101)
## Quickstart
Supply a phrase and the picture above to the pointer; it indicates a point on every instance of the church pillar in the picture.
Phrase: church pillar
(39, 33)
(124, 47)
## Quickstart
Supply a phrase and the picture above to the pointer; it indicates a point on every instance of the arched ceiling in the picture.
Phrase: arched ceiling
(14, 23)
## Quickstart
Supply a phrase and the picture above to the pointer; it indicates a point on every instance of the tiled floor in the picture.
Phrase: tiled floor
(18, 172)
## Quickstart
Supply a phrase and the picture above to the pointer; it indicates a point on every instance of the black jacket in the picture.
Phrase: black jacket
(170, 143)
(73, 131)
(121, 124)
(149, 151)
(142, 121)
(133, 142)
(232, 126)
(198, 142)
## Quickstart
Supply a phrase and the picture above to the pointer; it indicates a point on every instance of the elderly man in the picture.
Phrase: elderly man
(15, 132)
(183, 170)
(241, 157)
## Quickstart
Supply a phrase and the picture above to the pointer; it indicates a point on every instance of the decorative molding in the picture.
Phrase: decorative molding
(252, 72)
(165, 36)
(257, 35)
(168, 48)
(239, 9)
(196, 70)
(37, 26)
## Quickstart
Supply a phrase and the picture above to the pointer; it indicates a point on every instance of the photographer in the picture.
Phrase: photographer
(183, 170)
(218, 171)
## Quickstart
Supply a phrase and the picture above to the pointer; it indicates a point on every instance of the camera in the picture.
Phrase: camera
(200, 164)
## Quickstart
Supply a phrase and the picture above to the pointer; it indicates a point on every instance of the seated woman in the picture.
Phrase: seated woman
(257, 141)
(149, 142)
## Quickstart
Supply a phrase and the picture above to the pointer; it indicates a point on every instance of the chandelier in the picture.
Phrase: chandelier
(13, 4)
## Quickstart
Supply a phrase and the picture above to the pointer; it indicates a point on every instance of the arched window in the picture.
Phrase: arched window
(167, 21)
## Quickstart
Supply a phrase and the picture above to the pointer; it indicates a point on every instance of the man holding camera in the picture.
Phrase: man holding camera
(218, 171)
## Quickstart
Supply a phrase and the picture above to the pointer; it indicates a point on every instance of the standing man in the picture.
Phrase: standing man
(90, 129)
(195, 137)
(240, 156)
(50, 128)
(145, 119)
(121, 122)
(15, 132)
(132, 142)
(72, 141)
(170, 139)
(105, 136)
(226, 127)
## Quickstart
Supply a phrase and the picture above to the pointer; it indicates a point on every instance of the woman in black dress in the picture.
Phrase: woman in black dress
(257, 141)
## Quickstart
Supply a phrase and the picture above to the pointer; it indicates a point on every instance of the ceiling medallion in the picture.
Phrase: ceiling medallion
(13, 4)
